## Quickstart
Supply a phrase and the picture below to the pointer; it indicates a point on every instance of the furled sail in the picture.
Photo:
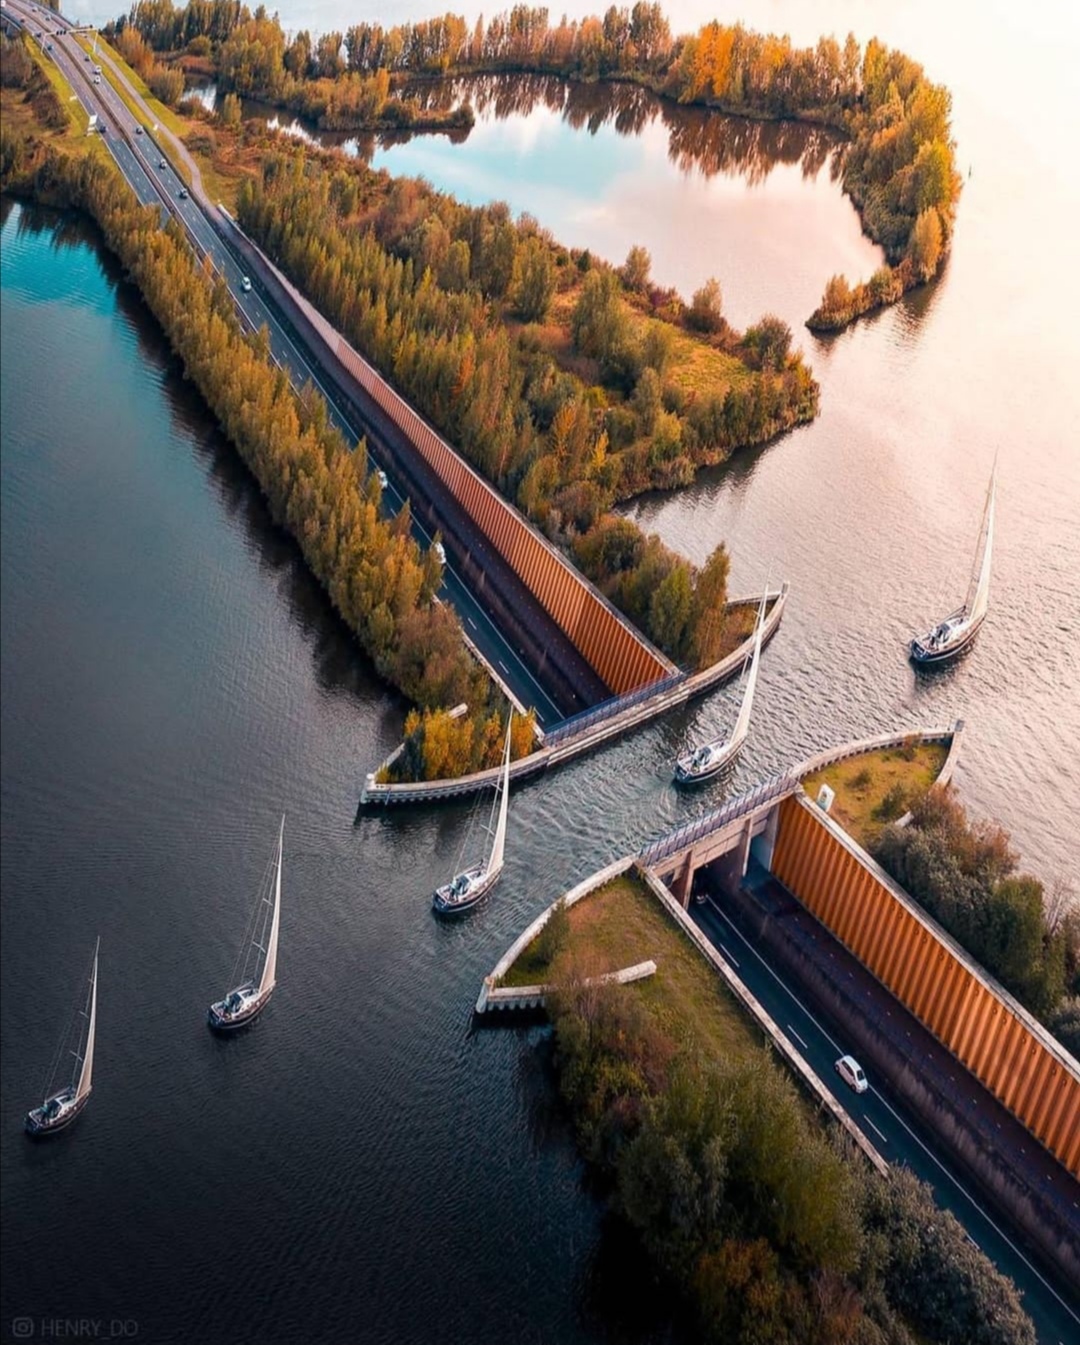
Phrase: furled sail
(86, 1074)
(979, 599)
(269, 973)
(495, 860)
(742, 724)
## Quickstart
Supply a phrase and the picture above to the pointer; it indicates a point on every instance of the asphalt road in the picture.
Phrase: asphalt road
(151, 174)
(898, 1135)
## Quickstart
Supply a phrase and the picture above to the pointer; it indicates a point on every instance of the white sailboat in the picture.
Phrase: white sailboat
(472, 884)
(244, 1003)
(710, 758)
(59, 1109)
(956, 633)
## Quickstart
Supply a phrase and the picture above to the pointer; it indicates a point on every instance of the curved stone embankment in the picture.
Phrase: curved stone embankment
(591, 735)
(949, 737)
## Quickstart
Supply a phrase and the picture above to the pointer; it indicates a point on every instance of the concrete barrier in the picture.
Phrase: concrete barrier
(535, 996)
(591, 736)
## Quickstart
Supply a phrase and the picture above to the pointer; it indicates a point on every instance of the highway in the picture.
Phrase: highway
(898, 1135)
(151, 172)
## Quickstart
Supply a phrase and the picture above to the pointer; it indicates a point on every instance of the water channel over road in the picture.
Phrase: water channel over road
(363, 1165)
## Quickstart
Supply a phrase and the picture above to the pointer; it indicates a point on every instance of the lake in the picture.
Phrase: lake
(364, 1164)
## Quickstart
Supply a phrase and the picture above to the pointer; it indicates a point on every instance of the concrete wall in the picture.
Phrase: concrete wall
(619, 655)
(924, 1088)
(992, 1035)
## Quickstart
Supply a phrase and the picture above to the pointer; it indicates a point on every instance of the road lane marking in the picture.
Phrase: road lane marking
(302, 371)
(727, 954)
(901, 1122)
(883, 1138)
(797, 1037)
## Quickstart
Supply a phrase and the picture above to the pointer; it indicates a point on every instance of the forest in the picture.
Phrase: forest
(964, 873)
(898, 168)
(434, 293)
(773, 1230)
(316, 485)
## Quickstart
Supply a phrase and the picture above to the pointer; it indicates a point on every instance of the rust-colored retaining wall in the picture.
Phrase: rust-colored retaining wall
(976, 1020)
(616, 652)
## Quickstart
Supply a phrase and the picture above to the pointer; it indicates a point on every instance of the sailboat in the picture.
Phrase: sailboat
(60, 1109)
(953, 635)
(244, 1003)
(710, 758)
(471, 885)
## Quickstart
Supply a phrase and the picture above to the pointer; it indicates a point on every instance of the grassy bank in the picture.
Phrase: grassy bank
(877, 787)
(622, 924)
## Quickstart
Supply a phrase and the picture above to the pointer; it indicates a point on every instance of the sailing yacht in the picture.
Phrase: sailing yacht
(956, 633)
(244, 1003)
(710, 758)
(60, 1109)
(464, 891)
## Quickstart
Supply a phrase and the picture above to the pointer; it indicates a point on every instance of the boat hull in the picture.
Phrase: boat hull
(442, 905)
(218, 1022)
(923, 657)
(688, 779)
(38, 1128)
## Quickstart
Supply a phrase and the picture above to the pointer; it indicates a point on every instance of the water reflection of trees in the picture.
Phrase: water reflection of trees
(698, 139)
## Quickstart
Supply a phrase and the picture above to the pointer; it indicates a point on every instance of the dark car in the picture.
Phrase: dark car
(138, 130)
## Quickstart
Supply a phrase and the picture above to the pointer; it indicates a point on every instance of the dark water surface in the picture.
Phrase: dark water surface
(362, 1165)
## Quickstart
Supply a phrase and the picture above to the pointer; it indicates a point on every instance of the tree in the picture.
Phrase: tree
(705, 312)
(646, 400)
(598, 323)
(669, 610)
(635, 271)
(769, 342)
(533, 281)
(231, 111)
(709, 614)
(927, 241)
(837, 297)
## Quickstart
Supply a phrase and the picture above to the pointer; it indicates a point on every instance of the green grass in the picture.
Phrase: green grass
(18, 113)
(622, 924)
(863, 782)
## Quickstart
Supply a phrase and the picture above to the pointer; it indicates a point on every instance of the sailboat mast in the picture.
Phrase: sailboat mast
(495, 861)
(86, 1074)
(269, 973)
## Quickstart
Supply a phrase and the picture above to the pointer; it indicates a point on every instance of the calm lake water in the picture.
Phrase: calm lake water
(363, 1165)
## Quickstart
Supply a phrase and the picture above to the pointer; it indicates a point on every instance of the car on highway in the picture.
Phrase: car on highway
(382, 478)
(852, 1074)
(97, 79)
(138, 130)
(86, 57)
(161, 163)
(183, 193)
(245, 284)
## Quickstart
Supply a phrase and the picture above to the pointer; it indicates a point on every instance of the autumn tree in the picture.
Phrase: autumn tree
(926, 243)
(705, 312)
(636, 268)
(533, 282)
